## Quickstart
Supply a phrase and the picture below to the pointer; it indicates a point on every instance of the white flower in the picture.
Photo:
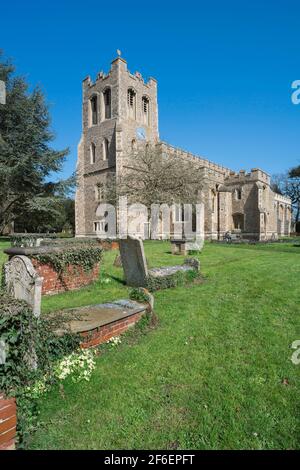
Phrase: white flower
(114, 341)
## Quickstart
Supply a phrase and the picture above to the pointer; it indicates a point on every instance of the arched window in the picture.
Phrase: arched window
(99, 192)
(281, 211)
(145, 110)
(92, 153)
(105, 149)
(107, 103)
(238, 221)
(213, 200)
(238, 193)
(101, 227)
(131, 103)
(133, 144)
(94, 110)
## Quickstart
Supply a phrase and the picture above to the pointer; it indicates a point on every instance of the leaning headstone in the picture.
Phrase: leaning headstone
(133, 261)
(23, 283)
(135, 264)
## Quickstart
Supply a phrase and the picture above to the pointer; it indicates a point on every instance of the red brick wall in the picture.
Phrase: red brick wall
(8, 422)
(114, 245)
(73, 278)
(104, 333)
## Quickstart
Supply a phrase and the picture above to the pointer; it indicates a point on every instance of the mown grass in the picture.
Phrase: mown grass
(216, 373)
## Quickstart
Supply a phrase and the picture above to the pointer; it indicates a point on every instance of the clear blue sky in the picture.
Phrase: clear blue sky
(224, 69)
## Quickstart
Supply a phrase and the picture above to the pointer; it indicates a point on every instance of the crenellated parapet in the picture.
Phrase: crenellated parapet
(243, 177)
(282, 199)
(200, 161)
(103, 77)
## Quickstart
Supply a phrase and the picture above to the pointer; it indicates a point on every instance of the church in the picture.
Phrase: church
(119, 112)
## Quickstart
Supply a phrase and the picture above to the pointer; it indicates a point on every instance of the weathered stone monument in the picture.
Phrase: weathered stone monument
(135, 265)
(23, 283)
(96, 324)
(179, 247)
(134, 261)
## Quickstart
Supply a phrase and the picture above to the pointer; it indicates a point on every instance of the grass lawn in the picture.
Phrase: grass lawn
(216, 373)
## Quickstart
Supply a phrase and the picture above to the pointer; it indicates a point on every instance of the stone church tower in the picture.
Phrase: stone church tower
(119, 109)
(119, 112)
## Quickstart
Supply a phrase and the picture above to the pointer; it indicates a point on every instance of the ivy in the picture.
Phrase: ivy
(139, 294)
(83, 256)
(69, 242)
(29, 239)
(180, 278)
(29, 348)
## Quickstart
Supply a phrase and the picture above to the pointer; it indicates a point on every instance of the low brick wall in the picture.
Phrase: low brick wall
(107, 246)
(73, 278)
(8, 422)
(104, 333)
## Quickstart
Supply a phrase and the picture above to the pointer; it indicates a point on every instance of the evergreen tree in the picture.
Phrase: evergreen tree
(27, 161)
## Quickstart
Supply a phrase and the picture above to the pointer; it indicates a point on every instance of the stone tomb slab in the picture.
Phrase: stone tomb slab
(168, 270)
(101, 321)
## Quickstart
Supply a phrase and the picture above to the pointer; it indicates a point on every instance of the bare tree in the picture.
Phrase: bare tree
(152, 177)
(288, 184)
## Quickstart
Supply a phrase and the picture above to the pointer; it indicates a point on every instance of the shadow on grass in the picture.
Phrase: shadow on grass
(117, 279)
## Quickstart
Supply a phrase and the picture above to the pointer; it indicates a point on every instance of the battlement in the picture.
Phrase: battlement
(117, 63)
(167, 148)
(281, 198)
(243, 177)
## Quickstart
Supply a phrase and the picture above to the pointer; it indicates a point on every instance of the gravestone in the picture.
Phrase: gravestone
(135, 264)
(2, 352)
(2, 92)
(179, 247)
(133, 261)
(23, 283)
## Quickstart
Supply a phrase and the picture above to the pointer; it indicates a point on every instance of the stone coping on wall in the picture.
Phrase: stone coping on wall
(39, 250)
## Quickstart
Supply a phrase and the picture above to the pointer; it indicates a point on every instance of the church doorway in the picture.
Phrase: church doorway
(238, 221)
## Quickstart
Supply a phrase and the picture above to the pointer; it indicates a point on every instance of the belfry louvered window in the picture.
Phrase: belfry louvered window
(92, 153)
(107, 103)
(145, 110)
(94, 110)
(131, 102)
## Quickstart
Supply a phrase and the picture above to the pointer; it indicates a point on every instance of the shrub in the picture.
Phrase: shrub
(177, 279)
(29, 353)
(139, 294)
